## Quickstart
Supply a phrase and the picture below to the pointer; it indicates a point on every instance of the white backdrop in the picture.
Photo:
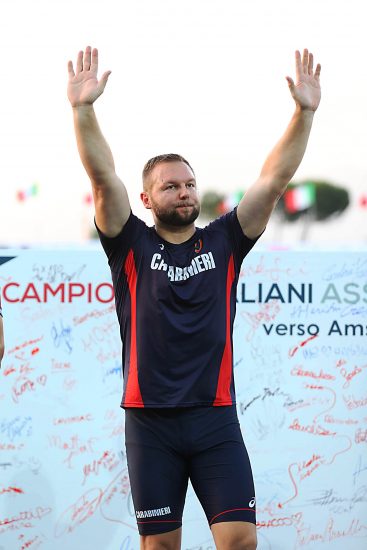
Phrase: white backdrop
(301, 379)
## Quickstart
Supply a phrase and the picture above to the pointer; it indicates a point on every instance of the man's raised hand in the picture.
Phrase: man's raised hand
(83, 86)
(306, 90)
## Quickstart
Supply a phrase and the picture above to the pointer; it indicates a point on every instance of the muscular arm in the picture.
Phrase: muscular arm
(256, 206)
(110, 196)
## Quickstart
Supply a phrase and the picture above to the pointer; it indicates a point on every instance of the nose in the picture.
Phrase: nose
(184, 192)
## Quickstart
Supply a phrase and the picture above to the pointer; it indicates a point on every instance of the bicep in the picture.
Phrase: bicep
(112, 206)
(256, 207)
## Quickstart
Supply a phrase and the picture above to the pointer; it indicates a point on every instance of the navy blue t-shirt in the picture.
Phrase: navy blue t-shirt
(176, 305)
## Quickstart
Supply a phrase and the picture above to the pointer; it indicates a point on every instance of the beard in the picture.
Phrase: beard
(176, 216)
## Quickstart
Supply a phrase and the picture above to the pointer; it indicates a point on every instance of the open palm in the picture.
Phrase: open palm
(306, 91)
(83, 86)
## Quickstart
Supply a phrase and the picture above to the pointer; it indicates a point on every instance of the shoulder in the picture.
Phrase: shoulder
(117, 247)
(227, 223)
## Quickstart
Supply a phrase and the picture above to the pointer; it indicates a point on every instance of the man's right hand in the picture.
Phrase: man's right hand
(83, 86)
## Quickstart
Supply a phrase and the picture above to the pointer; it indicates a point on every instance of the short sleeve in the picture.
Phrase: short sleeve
(117, 248)
(229, 224)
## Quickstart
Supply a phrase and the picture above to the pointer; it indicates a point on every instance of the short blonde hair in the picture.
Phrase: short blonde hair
(168, 157)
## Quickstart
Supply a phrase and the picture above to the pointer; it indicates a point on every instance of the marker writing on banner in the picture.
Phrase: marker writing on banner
(96, 499)
(359, 469)
(51, 273)
(267, 312)
(126, 544)
(62, 336)
(20, 426)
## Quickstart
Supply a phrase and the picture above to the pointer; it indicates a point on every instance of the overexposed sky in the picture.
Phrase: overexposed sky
(205, 78)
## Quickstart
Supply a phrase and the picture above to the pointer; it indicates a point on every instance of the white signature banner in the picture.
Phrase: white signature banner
(301, 380)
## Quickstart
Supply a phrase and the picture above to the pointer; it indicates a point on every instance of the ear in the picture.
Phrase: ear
(145, 200)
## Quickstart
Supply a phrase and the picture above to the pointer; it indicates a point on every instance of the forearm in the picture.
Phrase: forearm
(94, 150)
(283, 161)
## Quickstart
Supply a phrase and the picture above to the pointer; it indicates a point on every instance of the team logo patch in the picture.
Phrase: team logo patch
(198, 246)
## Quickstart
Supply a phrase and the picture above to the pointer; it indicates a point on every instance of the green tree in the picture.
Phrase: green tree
(329, 200)
(211, 202)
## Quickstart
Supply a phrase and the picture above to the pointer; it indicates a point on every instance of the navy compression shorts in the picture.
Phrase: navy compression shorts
(167, 447)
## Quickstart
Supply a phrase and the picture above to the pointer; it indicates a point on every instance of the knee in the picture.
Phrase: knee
(247, 542)
(154, 545)
(251, 544)
(157, 542)
(147, 543)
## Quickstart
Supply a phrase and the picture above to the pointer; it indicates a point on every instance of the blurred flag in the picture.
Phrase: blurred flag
(88, 199)
(229, 202)
(24, 194)
(299, 198)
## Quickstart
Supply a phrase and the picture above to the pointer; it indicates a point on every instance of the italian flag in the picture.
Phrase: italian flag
(300, 197)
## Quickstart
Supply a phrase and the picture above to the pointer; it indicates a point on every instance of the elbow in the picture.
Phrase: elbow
(276, 186)
(280, 185)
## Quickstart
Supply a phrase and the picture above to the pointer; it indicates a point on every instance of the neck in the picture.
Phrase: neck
(174, 234)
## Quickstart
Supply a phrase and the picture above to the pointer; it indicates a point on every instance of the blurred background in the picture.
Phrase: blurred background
(203, 78)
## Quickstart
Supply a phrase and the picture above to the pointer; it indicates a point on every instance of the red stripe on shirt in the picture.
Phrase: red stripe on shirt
(223, 394)
(132, 393)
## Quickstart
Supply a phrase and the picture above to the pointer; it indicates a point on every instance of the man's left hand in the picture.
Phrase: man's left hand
(306, 90)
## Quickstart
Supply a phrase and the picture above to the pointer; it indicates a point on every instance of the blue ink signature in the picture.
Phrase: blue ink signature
(62, 336)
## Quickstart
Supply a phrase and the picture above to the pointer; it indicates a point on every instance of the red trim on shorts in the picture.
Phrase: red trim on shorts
(223, 394)
(233, 510)
(132, 393)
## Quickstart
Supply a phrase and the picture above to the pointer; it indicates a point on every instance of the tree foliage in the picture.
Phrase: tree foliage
(211, 202)
(330, 200)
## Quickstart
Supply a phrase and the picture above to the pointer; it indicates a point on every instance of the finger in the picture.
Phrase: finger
(305, 61)
(318, 71)
(87, 58)
(310, 63)
(71, 69)
(94, 63)
(79, 63)
(298, 64)
(290, 83)
(103, 81)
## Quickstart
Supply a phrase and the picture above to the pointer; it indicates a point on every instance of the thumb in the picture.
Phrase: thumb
(103, 81)
(290, 83)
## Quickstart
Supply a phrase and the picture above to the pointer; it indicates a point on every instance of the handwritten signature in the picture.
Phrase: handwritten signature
(92, 500)
(62, 336)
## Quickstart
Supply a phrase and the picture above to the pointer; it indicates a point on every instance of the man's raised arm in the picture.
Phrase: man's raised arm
(110, 196)
(256, 206)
